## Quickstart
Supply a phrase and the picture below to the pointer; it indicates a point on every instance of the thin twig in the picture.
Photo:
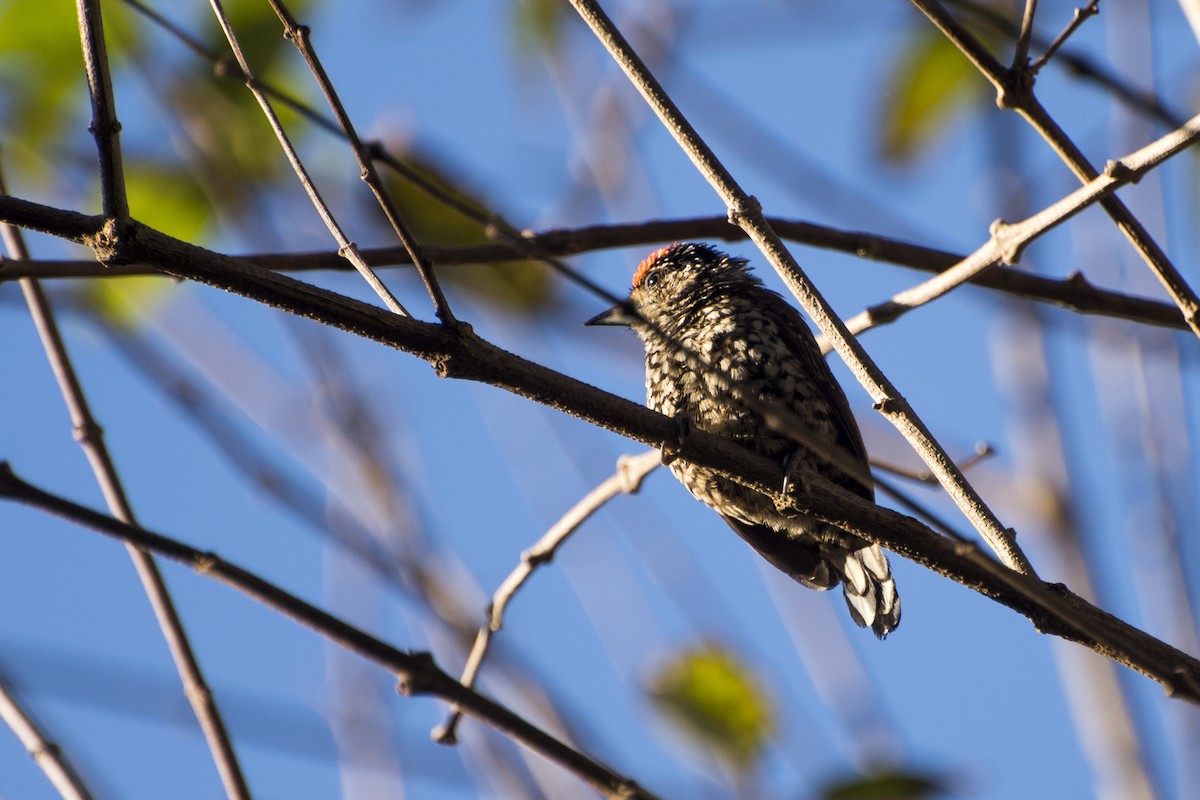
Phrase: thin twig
(105, 127)
(1020, 64)
(1008, 240)
(1080, 16)
(747, 214)
(299, 35)
(346, 248)
(417, 673)
(1142, 101)
(983, 450)
(1016, 95)
(90, 436)
(45, 752)
(631, 471)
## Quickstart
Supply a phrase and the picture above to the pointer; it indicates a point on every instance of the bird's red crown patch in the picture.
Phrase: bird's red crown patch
(648, 263)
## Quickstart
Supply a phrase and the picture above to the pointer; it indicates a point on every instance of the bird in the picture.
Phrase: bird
(726, 355)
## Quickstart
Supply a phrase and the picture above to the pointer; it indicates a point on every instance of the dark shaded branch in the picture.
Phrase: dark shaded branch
(105, 127)
(1074, 293)
(417, 672)
(461, 354)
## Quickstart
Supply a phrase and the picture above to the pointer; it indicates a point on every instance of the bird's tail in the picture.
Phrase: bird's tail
(869, 588)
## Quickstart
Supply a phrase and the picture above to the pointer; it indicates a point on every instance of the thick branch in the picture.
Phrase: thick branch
(461, 354)
(417, 673)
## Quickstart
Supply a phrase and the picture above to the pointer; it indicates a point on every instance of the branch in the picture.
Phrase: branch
(299, 36)
(346, 248)
(746, 213)
(1008, 240)
(1079, 17)
(416, 672)
(631, 471)
(1074, 293)
(459, 353)
(42, 750)
(104, 126)
(90, 436)
(1017, 94)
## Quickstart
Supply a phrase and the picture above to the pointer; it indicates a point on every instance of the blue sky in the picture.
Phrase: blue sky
(965, 689)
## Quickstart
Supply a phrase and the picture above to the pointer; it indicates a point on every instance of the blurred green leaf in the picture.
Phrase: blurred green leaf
(932, 81)
(42, 82)
(539, 25)
(715, 701)
(166, 197)
(893, 785)
(522, 285)
(124, 302)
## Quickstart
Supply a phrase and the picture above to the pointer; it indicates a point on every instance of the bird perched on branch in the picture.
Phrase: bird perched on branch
(730, 357)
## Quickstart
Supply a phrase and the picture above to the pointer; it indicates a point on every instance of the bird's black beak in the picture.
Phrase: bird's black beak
(618, 315)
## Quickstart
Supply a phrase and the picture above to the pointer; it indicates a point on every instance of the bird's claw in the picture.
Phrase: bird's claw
(671, 447)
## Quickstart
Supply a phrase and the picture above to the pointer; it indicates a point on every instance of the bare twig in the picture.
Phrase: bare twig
(417, 673)
(299, 35)
(747, 214)
(1016, 95)
(346, 248)
(1020, 62)
(983, 450)
(42, 750)
(1079, 17)
(1142, 101)
(104, 126)
(631, 471)
(90, 436)
(1009, 239)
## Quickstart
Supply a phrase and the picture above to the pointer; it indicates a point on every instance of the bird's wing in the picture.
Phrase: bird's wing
(805, 348)
(799, 559)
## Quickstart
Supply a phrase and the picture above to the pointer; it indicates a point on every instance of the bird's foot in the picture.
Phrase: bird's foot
(670, 448)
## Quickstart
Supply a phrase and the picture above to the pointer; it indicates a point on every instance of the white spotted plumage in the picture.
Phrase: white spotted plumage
(718, 342)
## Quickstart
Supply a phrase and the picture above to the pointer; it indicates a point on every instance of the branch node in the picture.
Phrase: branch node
(1009, 247)
(1120, 171)
(886, 406)
(415, 680)
(745, 207)
(204, 563)
(110, 244)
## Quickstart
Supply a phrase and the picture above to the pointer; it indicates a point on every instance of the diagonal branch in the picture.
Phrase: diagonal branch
(346, 248)
(417, 673)
(459, 353)
(1015, 91)
(745, 212)
(90, 436)
(1009, 239)
(45, 752)
(631, 471)
(299, 35)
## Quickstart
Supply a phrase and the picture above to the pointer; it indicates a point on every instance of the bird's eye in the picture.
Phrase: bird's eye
(651, 280)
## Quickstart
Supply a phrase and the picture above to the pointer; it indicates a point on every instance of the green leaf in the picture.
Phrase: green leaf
(522, 285)
(41, 72)
(710, 695)
(539, 24)
(931, 83)
(889, 785)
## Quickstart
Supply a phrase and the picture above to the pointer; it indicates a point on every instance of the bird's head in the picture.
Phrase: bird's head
(673, 281)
